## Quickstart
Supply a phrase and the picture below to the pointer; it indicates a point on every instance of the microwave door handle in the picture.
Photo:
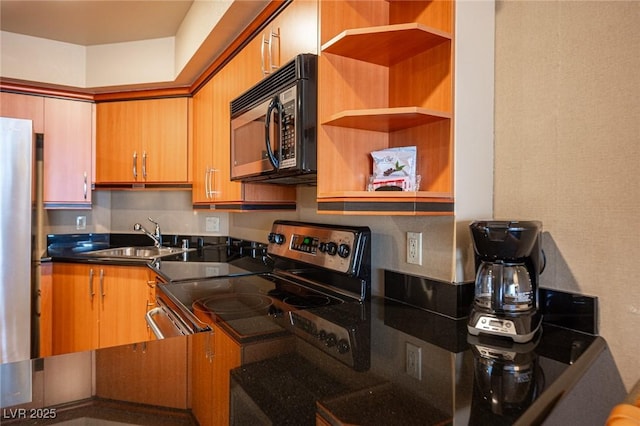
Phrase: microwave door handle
(273, 105)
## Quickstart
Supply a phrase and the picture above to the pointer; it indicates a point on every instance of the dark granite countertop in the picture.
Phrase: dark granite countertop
(462, 379)
(209, 256)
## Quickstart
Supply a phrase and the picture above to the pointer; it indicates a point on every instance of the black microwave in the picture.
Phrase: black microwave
(273, 126)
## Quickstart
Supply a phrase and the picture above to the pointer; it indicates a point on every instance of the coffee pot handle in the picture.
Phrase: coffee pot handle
(497, 295)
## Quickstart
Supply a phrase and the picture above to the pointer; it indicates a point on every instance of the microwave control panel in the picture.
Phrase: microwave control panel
(288, 143)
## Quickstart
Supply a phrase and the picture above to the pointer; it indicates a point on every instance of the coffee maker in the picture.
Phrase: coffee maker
(509, 260)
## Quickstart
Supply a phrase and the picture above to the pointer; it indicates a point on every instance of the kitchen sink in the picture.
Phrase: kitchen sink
(137, 252)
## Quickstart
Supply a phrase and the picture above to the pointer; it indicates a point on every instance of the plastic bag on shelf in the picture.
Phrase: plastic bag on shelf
(394, 169)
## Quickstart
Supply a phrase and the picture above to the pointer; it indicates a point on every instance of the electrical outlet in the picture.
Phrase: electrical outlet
(414, 248)
(413, 365)
(212, 224)
(81, 222)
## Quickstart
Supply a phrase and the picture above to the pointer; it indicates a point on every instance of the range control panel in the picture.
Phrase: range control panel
(337, 248)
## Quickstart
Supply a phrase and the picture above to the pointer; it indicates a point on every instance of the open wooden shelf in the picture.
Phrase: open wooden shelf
(387, 44)
(386, 119)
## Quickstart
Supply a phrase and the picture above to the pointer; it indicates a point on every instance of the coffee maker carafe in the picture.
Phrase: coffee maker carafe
(509, 260)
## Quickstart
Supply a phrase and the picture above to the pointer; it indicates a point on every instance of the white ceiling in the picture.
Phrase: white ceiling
(95, 21)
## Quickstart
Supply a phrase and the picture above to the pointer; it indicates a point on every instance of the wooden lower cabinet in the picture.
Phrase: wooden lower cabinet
(97, 306)
(154, 373)
(214, 355)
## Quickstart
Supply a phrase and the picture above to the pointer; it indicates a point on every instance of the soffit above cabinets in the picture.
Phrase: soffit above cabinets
(102, 46)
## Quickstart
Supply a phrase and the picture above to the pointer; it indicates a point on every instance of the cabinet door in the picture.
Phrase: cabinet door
(164, 140)
(293, 31)
(227, 85)
(202, 346)
(215, 354)
(123, 295)
(227, 357)
(74, 308)
(203, 117)
(297, 26)
(67, 152)
(23, 106)
(117, 142)
(153, 373)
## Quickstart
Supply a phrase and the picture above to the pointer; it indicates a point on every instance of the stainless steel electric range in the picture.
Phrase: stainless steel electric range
(316, 290)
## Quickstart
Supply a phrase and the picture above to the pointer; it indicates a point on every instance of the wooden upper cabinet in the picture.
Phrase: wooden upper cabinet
(293, 31)
(68, 161)
(296, 32)
(385, 81)
(142, 141)
(67, 126)
(202, 122)
(28, 107)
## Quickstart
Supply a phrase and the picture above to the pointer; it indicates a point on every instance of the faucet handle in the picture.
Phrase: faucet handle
(153, 221)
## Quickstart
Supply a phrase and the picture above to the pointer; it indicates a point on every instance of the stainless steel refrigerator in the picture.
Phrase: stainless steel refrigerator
(16, 236)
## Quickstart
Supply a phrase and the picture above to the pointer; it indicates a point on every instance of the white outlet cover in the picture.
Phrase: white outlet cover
(414, 248)
(81, 222)
(212, 224)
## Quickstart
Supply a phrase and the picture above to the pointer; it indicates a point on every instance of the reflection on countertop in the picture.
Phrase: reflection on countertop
(460, 379)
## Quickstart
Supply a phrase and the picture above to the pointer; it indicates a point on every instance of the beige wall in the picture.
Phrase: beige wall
(567, 149)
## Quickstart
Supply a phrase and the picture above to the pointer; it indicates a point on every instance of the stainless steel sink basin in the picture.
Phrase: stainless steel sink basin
(145, 252)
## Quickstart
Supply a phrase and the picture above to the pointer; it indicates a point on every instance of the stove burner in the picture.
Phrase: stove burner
(309, 301)
(233, 304)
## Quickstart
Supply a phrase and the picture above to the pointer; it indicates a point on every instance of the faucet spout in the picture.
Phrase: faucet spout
(156, 236)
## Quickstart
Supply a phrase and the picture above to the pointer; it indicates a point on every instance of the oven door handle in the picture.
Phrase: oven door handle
(152, 324)
(275, 104)
(163, 326)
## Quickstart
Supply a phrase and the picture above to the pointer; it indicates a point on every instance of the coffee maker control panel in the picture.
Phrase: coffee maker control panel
(495, 325)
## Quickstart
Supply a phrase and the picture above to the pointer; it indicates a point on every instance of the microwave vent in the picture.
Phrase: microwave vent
(301, 67)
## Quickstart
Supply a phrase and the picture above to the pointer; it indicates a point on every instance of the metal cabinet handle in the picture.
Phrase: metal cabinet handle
(102, 292)
(273, 35)
(206, 182)
(135, 165)
(151, 284)
(144, 164)
(212, 185)
(91, 293)
(84, 187)
(262, 61)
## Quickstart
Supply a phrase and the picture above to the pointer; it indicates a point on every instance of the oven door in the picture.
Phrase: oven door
(249, 154)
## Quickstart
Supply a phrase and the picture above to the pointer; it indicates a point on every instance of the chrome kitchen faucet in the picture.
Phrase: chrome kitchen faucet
(156, 236)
